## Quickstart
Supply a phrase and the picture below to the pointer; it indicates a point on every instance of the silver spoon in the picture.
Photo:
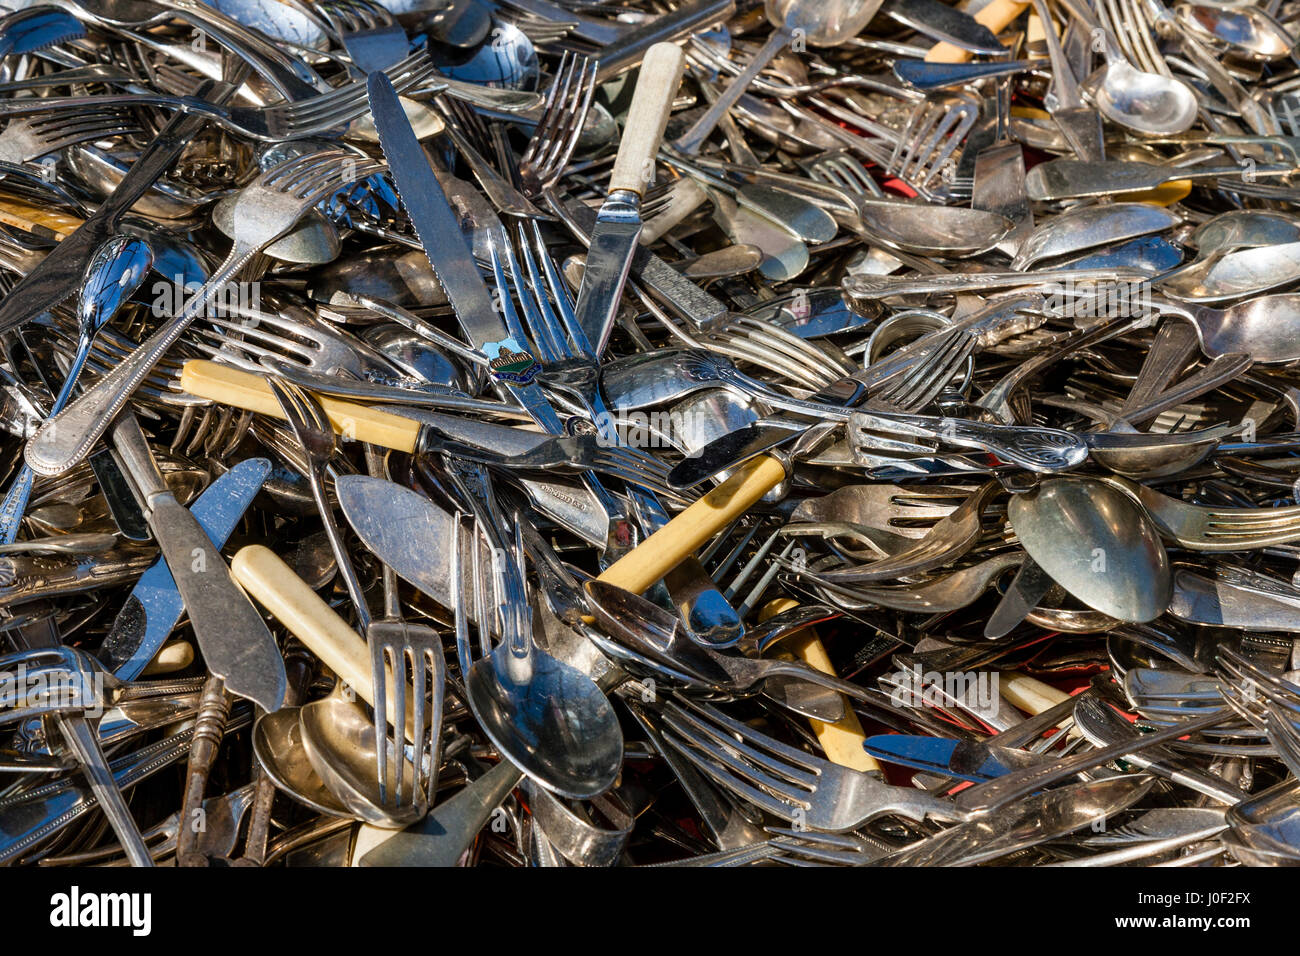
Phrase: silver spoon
(115, 272)
(1096, 543)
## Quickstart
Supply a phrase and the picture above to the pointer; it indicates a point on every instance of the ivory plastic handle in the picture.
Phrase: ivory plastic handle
(230, 386)
(683, 535)
(661, 74)
(1030, 695)
(842, 741)
(997, 16)
(277, 588)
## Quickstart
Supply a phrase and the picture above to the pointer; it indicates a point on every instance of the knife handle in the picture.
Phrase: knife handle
(683, 535)
(661, 74)
(997, 16)
(842, 741)
(230, 386)
(1027, 694)
(45, 223)
(300, 609)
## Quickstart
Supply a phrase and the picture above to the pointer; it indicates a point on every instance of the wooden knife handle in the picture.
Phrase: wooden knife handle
(275, 586)
(997, 16)
(842, 741)
(46, 223)
(683, 535)
(231, 386)
(661, 74)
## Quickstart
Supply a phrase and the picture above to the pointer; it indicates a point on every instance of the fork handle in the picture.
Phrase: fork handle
(230, 386)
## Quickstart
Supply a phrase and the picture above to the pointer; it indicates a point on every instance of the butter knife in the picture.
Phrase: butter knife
(155, 606)
(236, 644)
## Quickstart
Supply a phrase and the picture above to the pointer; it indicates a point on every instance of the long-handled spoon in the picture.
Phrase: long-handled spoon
(114, 273)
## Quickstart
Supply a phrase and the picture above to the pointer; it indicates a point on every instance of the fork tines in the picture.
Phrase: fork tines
(557, 132)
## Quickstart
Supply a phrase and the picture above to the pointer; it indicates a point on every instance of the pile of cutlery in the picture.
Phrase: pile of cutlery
(701, 432)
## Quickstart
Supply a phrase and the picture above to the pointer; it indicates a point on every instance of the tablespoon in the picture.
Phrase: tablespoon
(1248, 30)
(114, 273)
(1098, 544)
(1087, 227)
(1229, 275)
(1267, 327)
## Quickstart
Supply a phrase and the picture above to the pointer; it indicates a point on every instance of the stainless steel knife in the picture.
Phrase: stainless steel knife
(614, 240)
(438, 228)
(513, 366)
(155, 606)
(236, 644)
(963, 759)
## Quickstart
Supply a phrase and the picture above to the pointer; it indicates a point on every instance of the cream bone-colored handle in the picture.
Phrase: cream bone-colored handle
(275, 586)
(230, 386)
(635, 571)
(842, 740)
(997, 16)
(661, 74)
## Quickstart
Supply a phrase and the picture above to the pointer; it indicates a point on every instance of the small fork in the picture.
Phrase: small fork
(934, 130)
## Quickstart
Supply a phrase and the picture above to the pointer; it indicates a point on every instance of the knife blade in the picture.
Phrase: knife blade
(404, 529)
(60, 273)
(963, 759)
(1027, 587)
(679, 294)
(939, 21)
(614, 238)
(236, 644)
(154, 606)
(438, 228)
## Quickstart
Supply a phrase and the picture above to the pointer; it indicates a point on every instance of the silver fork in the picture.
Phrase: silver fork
(277, 123)
(788, 782)
(373, 39)
(1203, 528)
(558, 130)
(29, 138)
(308, 344)
(264, 211)
(841, 169)
(934, 130)
(411, 653)
(752, 340)
(314, 433)
(919, 384)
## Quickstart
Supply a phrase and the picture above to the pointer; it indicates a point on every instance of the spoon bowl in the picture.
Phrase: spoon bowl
(339, 739)
(1098, 544)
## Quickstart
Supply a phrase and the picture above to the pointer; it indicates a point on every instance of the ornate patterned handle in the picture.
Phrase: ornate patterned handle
(1035, 449)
